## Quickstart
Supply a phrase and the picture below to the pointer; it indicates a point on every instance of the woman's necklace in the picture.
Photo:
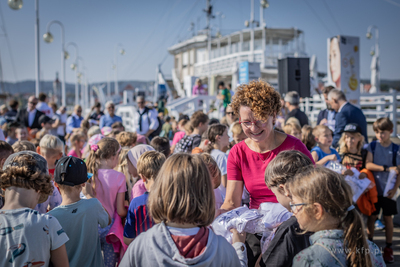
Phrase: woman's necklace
(258, 153)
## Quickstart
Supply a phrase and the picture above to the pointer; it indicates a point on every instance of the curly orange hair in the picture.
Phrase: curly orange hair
(260, 97)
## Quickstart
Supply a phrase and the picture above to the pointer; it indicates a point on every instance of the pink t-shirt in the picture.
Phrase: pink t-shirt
(72, 152)
(138, 189)
(248, 166)
(177, 137)
(108, 184)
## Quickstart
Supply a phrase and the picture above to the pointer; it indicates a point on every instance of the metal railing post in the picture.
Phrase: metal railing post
(394, 111)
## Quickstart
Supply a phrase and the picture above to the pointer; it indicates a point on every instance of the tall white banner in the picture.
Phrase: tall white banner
(344, 66)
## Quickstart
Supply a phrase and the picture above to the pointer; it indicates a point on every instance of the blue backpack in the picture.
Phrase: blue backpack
(395, 148)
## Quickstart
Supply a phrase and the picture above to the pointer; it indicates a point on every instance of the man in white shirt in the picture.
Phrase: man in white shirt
(146, 121)
(43, 107)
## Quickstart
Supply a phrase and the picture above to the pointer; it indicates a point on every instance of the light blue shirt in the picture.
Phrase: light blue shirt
(107, 120)
(73, 121)
(321, 154)
(331, 119)
(80, 222)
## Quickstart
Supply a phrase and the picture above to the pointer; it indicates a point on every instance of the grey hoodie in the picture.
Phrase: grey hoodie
(155, 247)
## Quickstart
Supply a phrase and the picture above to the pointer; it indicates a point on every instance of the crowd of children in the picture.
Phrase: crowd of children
(114, 199)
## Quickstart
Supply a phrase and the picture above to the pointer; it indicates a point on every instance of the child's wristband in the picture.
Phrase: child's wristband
(385, 168)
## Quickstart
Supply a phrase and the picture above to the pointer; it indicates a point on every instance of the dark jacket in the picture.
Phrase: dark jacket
(23, 118)
(323, 114)
(287, 242)
(298, 114)
(349, 114)
(11, 115)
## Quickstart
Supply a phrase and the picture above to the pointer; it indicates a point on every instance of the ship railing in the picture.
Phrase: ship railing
(374, 106)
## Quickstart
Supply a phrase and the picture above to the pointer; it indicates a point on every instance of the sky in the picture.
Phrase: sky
(146, 28)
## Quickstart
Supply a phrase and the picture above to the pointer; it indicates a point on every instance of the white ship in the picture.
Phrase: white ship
(214, 58)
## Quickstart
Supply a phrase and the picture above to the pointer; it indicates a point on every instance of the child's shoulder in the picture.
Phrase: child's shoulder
(139, 201)
(316, 149)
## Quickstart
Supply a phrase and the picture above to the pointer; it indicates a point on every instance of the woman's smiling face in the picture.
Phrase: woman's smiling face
(259, 132)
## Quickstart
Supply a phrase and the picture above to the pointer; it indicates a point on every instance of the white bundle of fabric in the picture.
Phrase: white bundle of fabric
(243, 219)
(358, 186)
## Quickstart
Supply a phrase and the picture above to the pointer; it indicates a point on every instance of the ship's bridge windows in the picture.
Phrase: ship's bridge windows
(246, 46)
(201, 55)
(185, 59)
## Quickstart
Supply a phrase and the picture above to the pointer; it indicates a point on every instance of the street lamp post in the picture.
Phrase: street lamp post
(84, 97)
(122, 52)
(375, 68)
(17, 4)
(74, 66)
(48, 38)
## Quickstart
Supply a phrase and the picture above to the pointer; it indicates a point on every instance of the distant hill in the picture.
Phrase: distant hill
(22, 89)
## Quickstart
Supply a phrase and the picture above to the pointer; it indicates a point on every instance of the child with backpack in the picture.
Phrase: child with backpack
(28, 238)
(322, 202)
(199, 122)
(138, 220)
(383, 156)
(181, 203)
(83, 247)
(109, 187)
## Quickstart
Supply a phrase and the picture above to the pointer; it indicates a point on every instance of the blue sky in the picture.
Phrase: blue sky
(147, 28)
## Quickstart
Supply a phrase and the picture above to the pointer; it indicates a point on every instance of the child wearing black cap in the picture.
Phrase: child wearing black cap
(351, 147)
(83, 248)
(28, 238)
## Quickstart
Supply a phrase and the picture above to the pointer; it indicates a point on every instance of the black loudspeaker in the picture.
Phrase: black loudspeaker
(294, 75)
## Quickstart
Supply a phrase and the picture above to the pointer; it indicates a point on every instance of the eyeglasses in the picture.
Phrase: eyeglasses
(259, 123)
(295, 208)
(230, 113)
(140, 102)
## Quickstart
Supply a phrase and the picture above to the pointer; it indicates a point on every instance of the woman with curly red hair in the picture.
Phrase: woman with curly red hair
(257, 104)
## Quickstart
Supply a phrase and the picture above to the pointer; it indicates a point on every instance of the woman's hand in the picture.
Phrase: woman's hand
(236, 237)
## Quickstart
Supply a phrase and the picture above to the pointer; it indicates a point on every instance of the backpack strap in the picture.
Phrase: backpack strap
(395, 149)
(373, 146)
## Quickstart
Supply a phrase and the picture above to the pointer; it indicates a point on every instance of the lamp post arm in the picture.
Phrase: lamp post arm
(62, 31)
(76, 50)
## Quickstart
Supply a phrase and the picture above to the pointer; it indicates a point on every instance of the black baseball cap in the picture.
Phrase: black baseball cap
(74, 170)
(45, 119)
(352, 128)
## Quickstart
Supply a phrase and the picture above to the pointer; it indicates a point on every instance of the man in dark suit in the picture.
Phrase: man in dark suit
(346, 113)
(29, 117)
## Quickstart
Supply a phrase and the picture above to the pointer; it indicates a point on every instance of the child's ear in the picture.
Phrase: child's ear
(319, 211)
(143, 178)
(60, 155)
(55, 184)
(38, 150)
